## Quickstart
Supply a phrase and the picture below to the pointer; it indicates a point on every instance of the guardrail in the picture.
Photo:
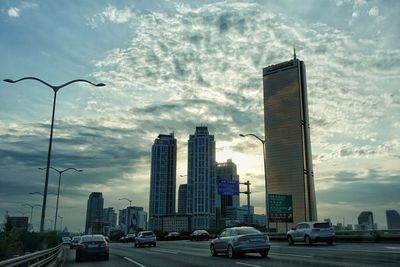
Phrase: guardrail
(39, 258)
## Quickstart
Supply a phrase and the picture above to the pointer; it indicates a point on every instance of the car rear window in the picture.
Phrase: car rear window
(92, 238)
(247, 231)
(147, 233)
(322, 225)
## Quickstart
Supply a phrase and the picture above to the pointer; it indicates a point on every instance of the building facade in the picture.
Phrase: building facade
(94, 213)
(287, 131)
(366, 221)
(162, 179)
(109, 217)
(393, 219)
(132, 220)
(176, 223)
(182, 199)
(201, 179)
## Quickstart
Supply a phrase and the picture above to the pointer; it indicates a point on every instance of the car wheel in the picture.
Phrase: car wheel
(307, 240)
(77, 257)
(155, 244)
(290, 240)
(106, 257)
(135, 245)
(231, 252)
(212, 250)
(264, 253)
(330, 243)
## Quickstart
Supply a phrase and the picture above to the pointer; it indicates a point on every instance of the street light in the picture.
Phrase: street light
(130, 201)
(265, 173)
(32, 207)
(61, 217)
(55, 90)
(58, 192)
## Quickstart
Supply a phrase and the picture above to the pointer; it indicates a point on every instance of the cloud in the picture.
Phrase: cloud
(13, 12)
(113, 15)
(374, 11)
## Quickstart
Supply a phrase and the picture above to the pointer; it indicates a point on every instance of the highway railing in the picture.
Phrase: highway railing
(39, 258)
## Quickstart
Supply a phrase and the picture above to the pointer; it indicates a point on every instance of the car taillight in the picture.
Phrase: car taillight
(266, 238)
(242, 239)
(153, 235)
(315, 230)
(104, 244)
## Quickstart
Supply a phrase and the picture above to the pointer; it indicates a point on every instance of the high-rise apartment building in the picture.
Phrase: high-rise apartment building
(182, 198)
(201, 179)
(366, 221)
(94, 213)
(226, 171)
(162, 179)
(287, 131)
(393, 219)
(109, 217)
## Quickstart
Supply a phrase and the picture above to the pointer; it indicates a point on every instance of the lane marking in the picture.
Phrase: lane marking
(247, 264)
(134, 262)
(293, 255)
(165, 251)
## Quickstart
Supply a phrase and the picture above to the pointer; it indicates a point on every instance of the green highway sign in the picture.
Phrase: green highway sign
(280, 208)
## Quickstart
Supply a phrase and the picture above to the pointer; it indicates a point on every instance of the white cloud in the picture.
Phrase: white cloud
(13, 12)
(374, 11)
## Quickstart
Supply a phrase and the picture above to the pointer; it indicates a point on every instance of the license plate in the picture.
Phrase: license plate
(92, 246)
(256, 240)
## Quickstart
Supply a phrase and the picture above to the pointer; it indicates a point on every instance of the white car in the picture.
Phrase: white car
(145, 238)
(311, 232)
(66, 240)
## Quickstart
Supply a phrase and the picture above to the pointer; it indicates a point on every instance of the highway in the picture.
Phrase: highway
(187, 253)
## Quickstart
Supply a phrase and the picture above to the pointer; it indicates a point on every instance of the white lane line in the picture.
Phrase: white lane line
(293, 255)
(134, 262)
(246, 264)
(165, 251)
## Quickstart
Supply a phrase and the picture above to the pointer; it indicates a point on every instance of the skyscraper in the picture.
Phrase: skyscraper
(163, 179)
(392, 219)
(287, 131)
(109, 217)
(366, 220)
(94, 213)
(227, 171)
(201, 179)
(182, 198)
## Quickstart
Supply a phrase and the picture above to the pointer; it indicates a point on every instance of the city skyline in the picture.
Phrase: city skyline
(164, 74)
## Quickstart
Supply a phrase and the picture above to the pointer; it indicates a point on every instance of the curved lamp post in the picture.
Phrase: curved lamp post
(32, 207)
(58, 192)
(55, 90)
(265, 173)
(130, 201)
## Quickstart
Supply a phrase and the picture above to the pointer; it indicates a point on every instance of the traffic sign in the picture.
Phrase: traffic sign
(280, 208)
(228, 187)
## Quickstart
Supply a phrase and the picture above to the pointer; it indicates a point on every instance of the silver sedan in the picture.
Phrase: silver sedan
(239, 240)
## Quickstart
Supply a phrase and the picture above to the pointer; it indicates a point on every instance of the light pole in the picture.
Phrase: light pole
(58, 192)
(32, 207)
(61, 217)
(55, 90)
(265, 173)
(247, 192)
(130, 201)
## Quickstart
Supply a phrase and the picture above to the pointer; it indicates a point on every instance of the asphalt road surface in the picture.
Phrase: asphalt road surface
(187, 253)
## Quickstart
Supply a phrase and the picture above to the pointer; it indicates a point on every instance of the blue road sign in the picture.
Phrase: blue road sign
(228, 187)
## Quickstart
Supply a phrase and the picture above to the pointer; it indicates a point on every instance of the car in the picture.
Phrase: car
(311, 232)
(74, 242)
(172, 236)
(145, 238)
(91, 246)
(66, 240)
(240, 240)
(199, 235)
(129, 238)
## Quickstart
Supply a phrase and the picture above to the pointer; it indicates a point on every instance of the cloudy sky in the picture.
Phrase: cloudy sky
(172, 65)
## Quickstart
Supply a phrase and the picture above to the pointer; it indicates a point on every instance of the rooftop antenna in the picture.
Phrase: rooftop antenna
(294, 52)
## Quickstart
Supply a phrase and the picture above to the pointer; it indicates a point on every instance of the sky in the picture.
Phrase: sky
(170, 66)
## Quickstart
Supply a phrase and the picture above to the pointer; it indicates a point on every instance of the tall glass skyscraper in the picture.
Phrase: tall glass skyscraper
(287, 131)
(182, 198)
(94, 213)
(201, 179)
(163, 179)
(227, 171)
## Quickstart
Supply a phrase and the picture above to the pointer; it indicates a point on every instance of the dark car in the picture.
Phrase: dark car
(199, 235)
(92, 246)
(172, 236)
(239, 240)
(75, 241)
